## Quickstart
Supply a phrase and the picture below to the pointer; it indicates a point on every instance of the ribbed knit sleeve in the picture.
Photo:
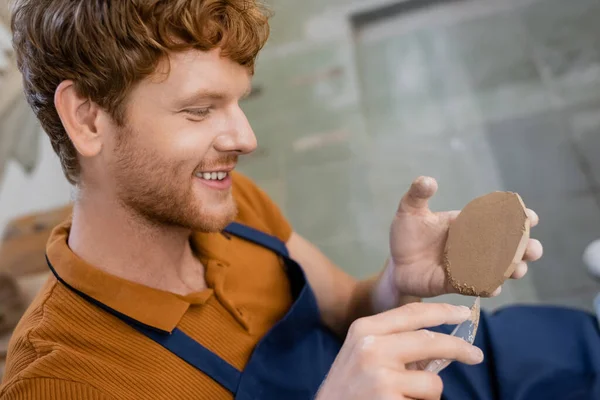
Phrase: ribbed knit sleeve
(51, 389)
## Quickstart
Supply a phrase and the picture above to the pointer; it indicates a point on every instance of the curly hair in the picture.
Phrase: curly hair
(105, 47)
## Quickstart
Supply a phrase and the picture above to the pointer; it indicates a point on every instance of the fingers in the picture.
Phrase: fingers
(520, 271)
(534, 219)
(534, 250)
(423, 344)
(379, 382)
(409, 318)
(496, 292)
(420, 385)
(452, 215)
(417, 197)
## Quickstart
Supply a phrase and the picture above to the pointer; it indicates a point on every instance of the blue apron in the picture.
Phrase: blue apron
(531, 352)
(290, 362)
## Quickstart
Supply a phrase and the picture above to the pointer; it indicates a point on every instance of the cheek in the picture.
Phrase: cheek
(184, 140)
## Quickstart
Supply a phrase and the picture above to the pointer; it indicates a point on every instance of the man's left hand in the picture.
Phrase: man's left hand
(418, 239)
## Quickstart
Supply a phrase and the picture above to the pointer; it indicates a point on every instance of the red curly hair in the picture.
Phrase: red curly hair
(106, 47)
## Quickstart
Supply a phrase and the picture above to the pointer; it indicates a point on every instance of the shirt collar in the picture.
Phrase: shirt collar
(151, 307)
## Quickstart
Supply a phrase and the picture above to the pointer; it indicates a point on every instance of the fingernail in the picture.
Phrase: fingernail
(465, 311)
(476, 354)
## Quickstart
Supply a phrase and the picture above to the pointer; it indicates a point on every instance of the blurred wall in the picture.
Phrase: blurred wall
(45, 188)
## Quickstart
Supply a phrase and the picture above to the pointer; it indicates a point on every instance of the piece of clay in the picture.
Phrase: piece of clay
(486, 242)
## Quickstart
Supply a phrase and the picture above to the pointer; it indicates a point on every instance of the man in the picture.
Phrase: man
(178, 278)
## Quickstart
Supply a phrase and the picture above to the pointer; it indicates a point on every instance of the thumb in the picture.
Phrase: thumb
(418, 195)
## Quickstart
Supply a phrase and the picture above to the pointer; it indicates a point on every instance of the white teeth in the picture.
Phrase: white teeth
(209, 176)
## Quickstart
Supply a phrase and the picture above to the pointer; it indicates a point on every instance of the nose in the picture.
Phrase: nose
(238, 136)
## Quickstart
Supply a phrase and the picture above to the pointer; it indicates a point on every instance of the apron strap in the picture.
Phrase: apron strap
(186, 348)
(197, 356)
(274, 244)
(177, 342)
(262, 239)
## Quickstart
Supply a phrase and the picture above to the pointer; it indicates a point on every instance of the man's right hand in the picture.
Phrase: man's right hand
(378, 358)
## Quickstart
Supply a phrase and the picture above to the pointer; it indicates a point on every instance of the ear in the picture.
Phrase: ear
(80, 117)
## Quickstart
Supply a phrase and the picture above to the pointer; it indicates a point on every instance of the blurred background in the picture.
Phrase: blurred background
(353, 99)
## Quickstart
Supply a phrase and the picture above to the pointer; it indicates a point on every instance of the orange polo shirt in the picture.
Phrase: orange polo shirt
(67, 348)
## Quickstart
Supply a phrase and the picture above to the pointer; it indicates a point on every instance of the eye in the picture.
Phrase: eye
(198, 112)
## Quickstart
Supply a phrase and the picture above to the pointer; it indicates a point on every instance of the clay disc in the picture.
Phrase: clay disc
(486, 242)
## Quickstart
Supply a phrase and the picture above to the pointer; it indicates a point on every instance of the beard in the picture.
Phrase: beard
(166, 193)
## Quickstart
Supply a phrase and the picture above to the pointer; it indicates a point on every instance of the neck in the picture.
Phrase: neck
(114, 239)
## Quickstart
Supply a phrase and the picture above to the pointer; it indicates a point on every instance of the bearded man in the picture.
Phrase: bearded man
(177, 278)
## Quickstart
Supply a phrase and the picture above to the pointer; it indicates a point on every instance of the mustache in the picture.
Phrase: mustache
(218, 163)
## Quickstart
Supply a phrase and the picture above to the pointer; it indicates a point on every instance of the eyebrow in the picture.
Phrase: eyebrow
(207, 95)
(199, 96)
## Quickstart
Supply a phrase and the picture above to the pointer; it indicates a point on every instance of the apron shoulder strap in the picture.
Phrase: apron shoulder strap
(177, 342)
(197, 356)
(260, 238)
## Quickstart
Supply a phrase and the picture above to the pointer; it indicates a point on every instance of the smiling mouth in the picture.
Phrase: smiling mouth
(213, 176)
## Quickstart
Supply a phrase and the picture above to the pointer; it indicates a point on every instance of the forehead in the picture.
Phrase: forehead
(186, 73)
